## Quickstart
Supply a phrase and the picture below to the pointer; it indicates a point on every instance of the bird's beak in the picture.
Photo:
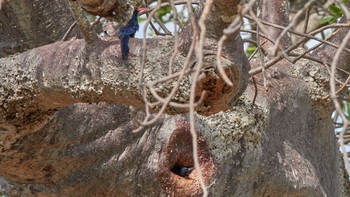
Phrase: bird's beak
(141, 9)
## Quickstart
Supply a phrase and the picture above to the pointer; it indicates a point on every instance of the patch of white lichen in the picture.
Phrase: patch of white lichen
(316, 78)
(225, 131)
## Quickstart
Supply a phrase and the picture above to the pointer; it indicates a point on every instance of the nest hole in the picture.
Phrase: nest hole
(181, 170)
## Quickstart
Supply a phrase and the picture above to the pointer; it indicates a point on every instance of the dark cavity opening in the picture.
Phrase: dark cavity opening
(180, 170)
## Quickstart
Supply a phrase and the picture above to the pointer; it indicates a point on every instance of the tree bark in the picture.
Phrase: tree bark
(28, 24)
(53, 145)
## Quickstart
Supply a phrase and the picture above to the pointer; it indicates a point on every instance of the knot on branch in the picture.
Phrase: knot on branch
(219, 95)
(111, 9)
(101, 8)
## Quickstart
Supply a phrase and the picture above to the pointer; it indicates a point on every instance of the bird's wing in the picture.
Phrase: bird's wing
(124, 32)
(135, 28)
(127, 31)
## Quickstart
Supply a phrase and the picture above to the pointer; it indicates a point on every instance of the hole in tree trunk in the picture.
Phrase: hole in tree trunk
(181, 170)
(177, 173)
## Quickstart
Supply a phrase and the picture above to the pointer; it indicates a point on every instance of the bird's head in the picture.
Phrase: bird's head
(185, 171)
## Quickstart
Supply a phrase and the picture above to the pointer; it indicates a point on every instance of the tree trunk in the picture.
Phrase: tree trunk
(66, 130)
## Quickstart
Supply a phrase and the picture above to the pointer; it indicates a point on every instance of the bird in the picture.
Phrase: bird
(128, 31)
(181, 170)
(185, 171)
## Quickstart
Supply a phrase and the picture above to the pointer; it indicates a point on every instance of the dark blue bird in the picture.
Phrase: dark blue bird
(181, 170)
(128, 31)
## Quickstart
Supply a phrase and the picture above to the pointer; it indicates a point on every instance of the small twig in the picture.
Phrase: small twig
(254, 53)
(336, 102)
(158, 33)
(143, 62)
(344, 85)
(345, 10)
(307, 16)
(162, 5)
(233, 28)
(82, 22)
(199, 55)
(175, 104)
(321, 29)
(68, 31)
(301, 55)
(261, 35)
(280, 56)
(148, 120)
(176, 38)
(96, 21)
(171, 76)
(255, 90)
(306, 22)
(167, 100)
(161, 24)
(152, 25)
(261, 57)
(291, 24)
(258, 23)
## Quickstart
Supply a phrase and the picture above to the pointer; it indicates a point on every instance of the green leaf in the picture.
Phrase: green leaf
(327, 19)
(140, 20)
(345, 1)
(335, 11)
(163, 11)
(346, 109)
(250, 50)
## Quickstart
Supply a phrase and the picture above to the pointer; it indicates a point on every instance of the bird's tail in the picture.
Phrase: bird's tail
(125, 47)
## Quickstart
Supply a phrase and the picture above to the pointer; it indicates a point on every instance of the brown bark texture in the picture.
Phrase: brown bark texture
(28, 24)
(66, 128)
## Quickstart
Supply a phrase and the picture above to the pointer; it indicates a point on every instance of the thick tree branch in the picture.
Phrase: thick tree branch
(222, 13)
(327, 53)
(83, 22)
(29, 24)
(37, 79)
(268, 149)
(277, 12)
(117, 10)
(112, 155)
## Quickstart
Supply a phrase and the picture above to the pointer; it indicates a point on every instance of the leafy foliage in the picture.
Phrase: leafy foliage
(334, 11)
(163, 11)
